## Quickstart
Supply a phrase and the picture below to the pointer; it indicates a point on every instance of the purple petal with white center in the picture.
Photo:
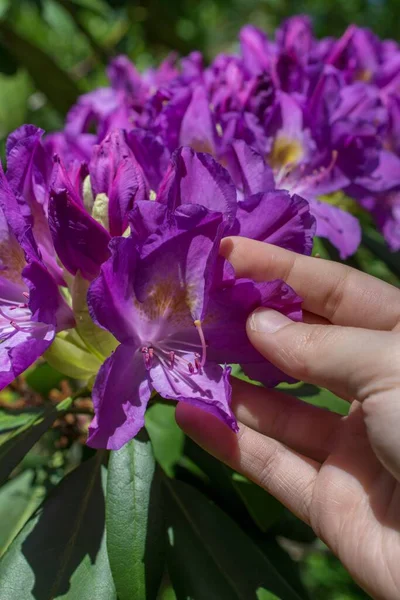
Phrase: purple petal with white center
(120, 396)
(209, 390)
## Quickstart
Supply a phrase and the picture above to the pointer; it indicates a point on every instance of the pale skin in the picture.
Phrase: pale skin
(341, 475)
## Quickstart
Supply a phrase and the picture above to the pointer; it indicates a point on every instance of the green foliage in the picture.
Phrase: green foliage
(135, 523)
(209, 556)
(61, 552)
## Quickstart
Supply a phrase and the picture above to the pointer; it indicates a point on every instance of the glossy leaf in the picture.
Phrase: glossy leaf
(166, 437)
(19, 498)
(61, 552)
(42, 378)
(376, 244)
(210, 557)
(11, 419)
(21, 440)
(135, 526)
(55, 83)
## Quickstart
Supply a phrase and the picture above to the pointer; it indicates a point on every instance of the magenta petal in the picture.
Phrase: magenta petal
(209, 390)
(120, 396)
(80, 242)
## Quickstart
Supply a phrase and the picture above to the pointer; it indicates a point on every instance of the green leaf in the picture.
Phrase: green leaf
(317, 396)
(42, 378)
(377, 244)
(19, 498)
(166, 437)
(14, 419)
(61, 552)
(55, 83)
(18, 442)
(135, 526)
(210, 557)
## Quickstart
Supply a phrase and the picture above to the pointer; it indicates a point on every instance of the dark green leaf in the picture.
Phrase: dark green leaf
(21, 440)
(19, 498)
(55, 83)
(166, 437)
(14, 419)
(135, 526)
(61, 552)
(377, 244)
(317, 396)
(43, 378)
(210, 557)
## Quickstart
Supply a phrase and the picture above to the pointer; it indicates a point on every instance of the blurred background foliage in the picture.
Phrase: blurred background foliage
(53, 50)
(50, 52)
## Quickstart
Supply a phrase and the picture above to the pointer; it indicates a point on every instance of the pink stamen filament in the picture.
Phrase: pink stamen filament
(199, 328)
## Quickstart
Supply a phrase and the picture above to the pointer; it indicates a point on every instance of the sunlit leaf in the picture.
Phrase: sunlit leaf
(166, 437)
(20, 441)
(135, 526)
(61, 552)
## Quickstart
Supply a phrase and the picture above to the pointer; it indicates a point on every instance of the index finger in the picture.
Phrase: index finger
(331, 290)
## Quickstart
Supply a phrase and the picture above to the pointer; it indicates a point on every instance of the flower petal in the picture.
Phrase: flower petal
(277, 218)
(209, 390)
(248, 169)
(338, 226)
(196, 178)
(21, 349)
(80, 242)
(115, 172)
(120, 396)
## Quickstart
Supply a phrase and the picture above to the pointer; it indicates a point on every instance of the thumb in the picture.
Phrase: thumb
(352, 362)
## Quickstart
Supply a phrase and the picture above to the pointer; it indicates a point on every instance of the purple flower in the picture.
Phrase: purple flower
(31, 307)
(176, 320)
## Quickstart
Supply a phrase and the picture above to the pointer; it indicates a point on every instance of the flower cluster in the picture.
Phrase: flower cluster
(325, 114)
(108, 277)
(109, 249)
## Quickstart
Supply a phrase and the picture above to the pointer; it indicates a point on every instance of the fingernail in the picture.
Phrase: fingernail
(266, 320)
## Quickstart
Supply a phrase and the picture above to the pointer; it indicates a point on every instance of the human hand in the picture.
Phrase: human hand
(341, 475)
